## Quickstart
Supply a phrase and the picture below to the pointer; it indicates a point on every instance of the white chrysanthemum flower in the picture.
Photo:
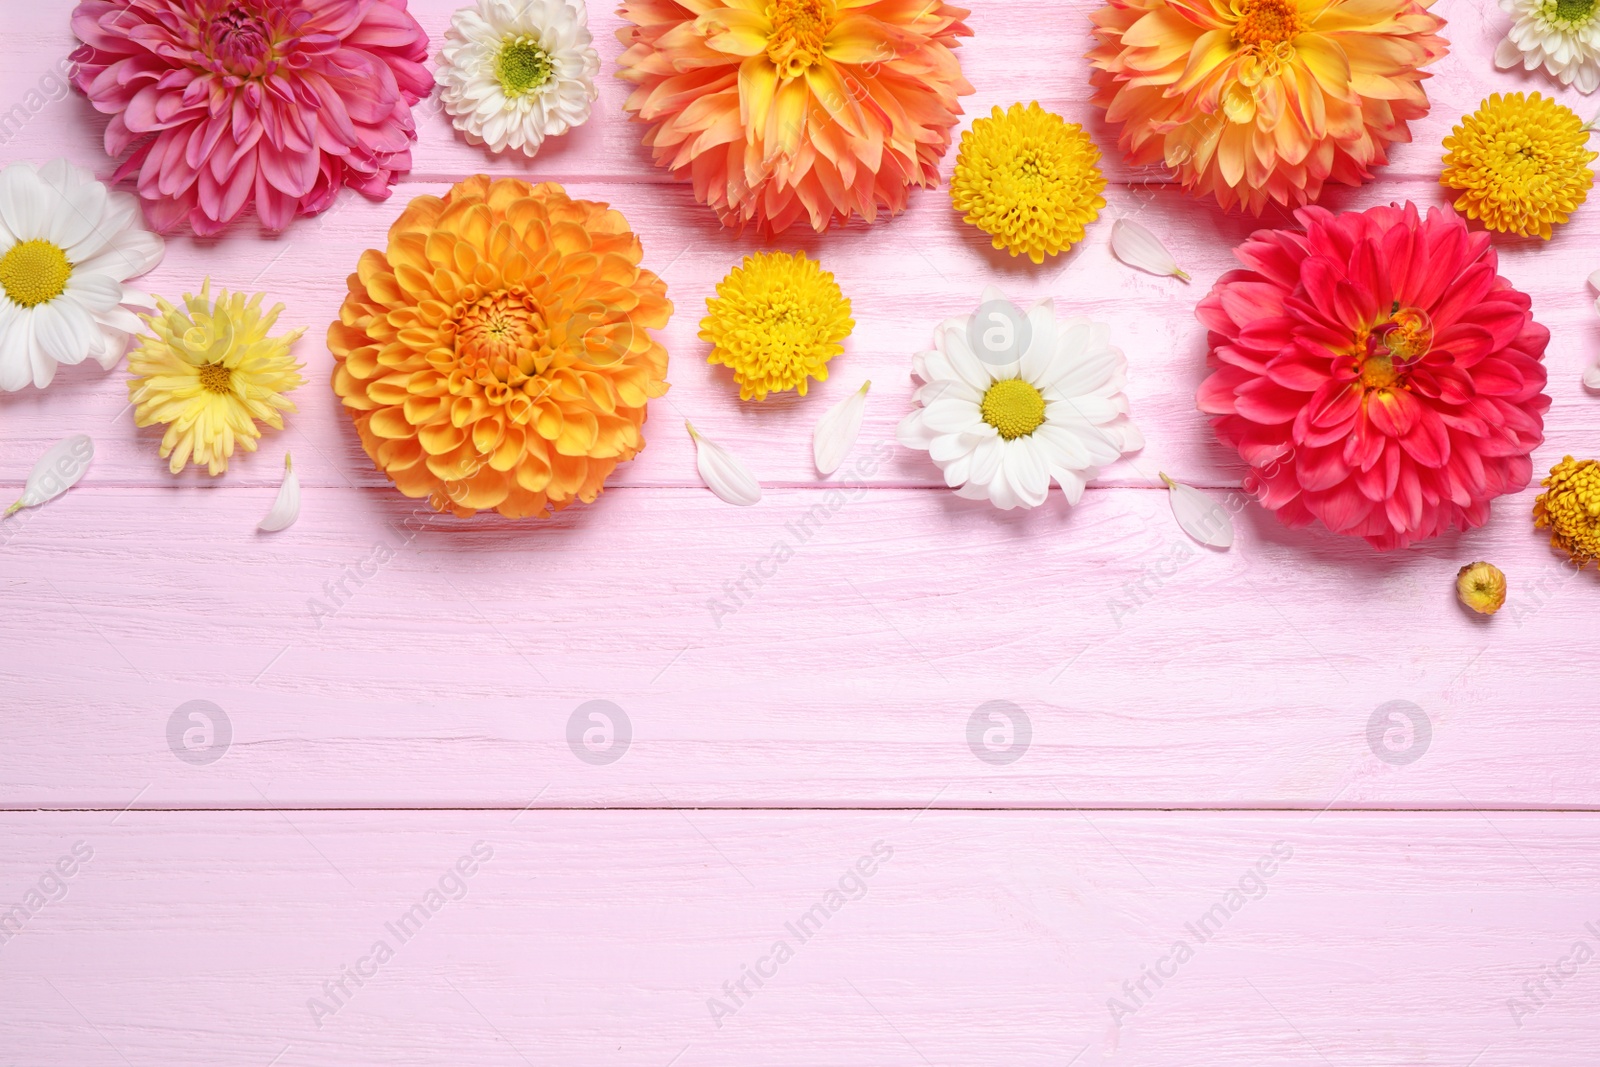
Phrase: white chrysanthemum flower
(1562, 36)
(1012, 401)
(513, 72)
(67, 243)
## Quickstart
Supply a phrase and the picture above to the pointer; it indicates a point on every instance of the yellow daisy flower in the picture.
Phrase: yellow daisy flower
(776, 321)
(1570, 509)
(1521, 164)
(1029, 179)
(209, 373)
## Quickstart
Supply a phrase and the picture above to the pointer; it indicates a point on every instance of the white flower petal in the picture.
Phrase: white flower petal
(286, 507)
(1026, 471)
(1507, 54)
(1139, 248)
(837, 430)
(64, 329)
(722, 472)
(1594, 279)
(57, 471)
(26, 203)
(16, 356)
(1201, 517)
(1591, 378)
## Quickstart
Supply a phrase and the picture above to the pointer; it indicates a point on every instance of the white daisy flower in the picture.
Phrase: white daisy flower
(513, 72)
(67, 243)
(1562, 36)
(1012, 401)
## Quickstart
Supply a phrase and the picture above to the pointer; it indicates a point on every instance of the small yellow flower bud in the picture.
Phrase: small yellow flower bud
(1481, 587)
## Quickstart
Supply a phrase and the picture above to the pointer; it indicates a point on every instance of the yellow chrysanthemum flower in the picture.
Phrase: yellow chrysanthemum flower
(1030, 179)
(209, 373)
(776, 321)
(1570, 509)
(1521, 164)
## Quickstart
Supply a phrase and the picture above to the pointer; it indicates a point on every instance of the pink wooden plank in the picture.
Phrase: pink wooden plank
(999, 938)
(822, 648)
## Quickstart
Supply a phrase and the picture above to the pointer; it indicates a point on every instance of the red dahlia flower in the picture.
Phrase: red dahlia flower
(1376, 373)
(278, 103)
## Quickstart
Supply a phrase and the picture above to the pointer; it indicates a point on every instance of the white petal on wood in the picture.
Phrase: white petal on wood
(1507, 54)
(1141, 249)
(286, 508)
(722, 472)
(837, 430)
(1201, 517)
(57, 471)
(1594, 279)
(1591, 378)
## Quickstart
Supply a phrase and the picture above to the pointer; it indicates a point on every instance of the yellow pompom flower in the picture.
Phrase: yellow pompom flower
(1521, 164)
(1570, 509)
(1029, 179)
(776, 321)
(209, 374)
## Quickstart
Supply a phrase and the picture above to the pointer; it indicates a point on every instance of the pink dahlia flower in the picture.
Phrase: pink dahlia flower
(276, 103)
(1376, 373)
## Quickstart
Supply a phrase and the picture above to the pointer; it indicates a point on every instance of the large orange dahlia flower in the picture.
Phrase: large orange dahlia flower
(778, 109)
(498, 354)
(1258, 100)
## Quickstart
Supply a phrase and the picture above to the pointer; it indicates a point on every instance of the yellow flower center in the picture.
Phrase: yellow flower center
(523, 65)
(799, 30)
(502, 344)
(1266, 22)
(1573, 12)
(1394, 345)
(1571, 508)
(216, 378)
(1014, 408)
(34, 272)
(1378, 371)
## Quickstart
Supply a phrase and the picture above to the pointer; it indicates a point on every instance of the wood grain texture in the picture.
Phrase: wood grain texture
(984, 939)
(824, 648)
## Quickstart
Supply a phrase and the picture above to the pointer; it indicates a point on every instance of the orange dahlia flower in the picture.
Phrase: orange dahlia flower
(498, 354)
(788, 108)
(1258, 100)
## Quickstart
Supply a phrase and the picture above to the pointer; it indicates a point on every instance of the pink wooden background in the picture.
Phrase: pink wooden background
(1190, 710)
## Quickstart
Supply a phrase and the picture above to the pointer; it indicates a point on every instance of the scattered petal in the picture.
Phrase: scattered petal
(1591, 378)
(1481, 587)
(286, 508)
(1143, 250)
(1201, 517)
(57, 471)
(1594, 279)
(837, 430)
(723, 474)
